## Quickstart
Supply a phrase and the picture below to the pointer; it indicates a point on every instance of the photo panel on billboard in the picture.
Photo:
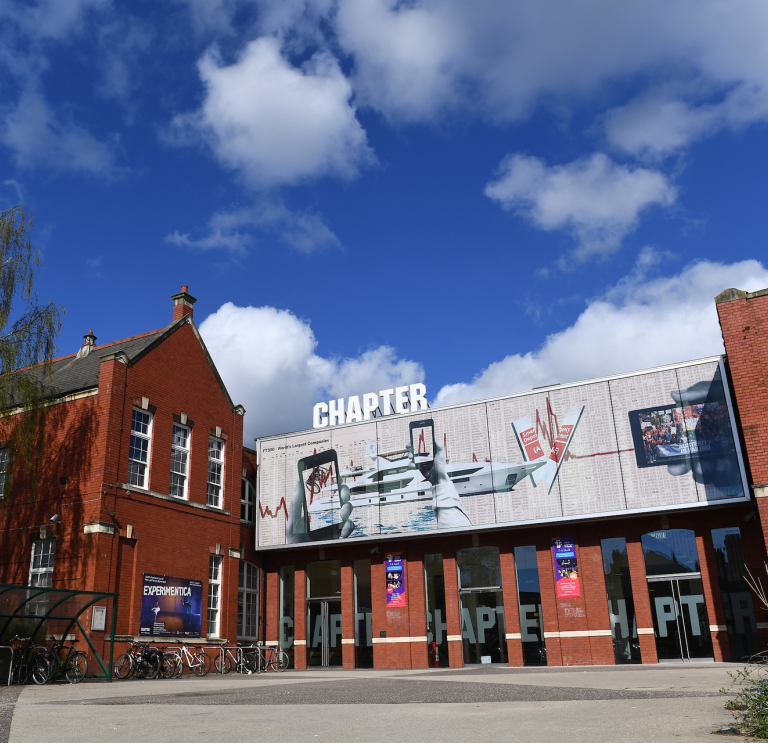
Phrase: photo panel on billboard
(273, 495)
(706, 423)
(521, 438)
(643, 413)
(312, 482)
(590, 472)
(357, 451)
(406, 497)
(463, 432)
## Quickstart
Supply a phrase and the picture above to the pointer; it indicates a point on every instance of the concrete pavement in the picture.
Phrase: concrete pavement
(522, 705)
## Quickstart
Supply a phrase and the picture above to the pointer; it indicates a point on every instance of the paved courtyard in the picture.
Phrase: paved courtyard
(586, 705)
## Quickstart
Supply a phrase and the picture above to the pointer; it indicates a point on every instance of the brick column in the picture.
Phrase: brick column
(642, 599)
(300, 617)
(550, 619)
(417, 608)
(348, 609)
(452, 616)
(511, 608)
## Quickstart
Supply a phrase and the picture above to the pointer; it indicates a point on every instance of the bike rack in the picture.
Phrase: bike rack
(10, 665)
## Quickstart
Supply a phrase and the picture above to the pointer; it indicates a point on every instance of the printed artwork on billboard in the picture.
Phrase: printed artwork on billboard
(643, 441)
(171, 607)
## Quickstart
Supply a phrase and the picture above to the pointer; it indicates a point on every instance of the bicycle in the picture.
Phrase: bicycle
(240, 660)
(62, 661)
(141, 660)
(273, 658)
(28, 661)
(196, 661)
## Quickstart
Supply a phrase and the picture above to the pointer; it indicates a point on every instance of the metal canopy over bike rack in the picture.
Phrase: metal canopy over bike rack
(62, 605)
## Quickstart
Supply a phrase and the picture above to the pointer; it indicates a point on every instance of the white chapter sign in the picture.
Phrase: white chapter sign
(409, 398)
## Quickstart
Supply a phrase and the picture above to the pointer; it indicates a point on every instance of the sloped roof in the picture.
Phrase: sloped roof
(72, 375)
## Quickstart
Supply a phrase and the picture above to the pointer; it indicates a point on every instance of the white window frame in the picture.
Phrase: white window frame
(40, 575)
(247, 501)
(214, 596)
(4, 455)
(215, 482)
(183, 452)
(144, 437)
(244, 593)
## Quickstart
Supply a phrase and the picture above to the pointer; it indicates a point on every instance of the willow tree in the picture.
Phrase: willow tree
(28, 332)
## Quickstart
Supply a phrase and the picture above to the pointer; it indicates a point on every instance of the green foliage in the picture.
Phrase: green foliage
(28, 331)
(749, 700)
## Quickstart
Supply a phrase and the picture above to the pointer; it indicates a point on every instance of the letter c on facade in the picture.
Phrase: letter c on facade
(320, 415)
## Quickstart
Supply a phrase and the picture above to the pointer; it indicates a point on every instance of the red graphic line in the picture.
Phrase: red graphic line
(266, 511)
(550, 432)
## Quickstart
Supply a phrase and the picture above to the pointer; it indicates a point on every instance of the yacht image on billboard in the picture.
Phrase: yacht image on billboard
(408, 475)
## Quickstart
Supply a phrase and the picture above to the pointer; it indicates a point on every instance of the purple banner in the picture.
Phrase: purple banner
(395, 568)
(171, 607)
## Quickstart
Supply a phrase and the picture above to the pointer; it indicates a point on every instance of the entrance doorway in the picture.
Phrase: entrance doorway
(483, 632)
(324, 633)
(680, 618)
(324, 614)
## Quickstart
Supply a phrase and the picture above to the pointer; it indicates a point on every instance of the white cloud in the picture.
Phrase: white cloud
(500, 59)
(303, 230)
(38, 138)
(595, 199)
(276, 124)
(267, 358)
(659, 123)
(639, 323)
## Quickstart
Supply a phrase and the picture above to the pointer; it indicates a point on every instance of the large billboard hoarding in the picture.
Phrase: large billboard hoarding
(652, 440)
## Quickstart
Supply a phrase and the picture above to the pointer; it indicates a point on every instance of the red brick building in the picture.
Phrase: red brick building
(144, 466)
(641, 601)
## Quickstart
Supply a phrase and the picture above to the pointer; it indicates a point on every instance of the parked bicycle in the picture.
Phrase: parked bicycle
(28, 661)
(241, 659)
(272, 658)
(141, 660)
(61, 661)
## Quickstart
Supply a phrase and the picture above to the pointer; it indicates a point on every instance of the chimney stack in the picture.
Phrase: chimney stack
(183, 303)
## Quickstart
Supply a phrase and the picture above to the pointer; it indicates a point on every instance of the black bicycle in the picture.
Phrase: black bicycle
(62, 661)
(28, 661)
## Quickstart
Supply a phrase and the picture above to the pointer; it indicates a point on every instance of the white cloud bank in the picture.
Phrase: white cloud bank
(267, 358)
(276, 124)
(594, 198)
(637, 324)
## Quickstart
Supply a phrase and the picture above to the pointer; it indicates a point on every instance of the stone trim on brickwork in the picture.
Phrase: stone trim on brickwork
(383, 640)
(170, 498)
(98, 527)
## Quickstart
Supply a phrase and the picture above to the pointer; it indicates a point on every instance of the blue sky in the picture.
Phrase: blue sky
(487, 197)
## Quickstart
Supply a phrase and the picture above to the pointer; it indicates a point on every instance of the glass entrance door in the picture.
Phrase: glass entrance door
(680, 620)
(323, 633)
(483, 634)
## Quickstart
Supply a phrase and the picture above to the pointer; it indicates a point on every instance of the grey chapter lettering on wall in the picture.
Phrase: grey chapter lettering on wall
(407, 399)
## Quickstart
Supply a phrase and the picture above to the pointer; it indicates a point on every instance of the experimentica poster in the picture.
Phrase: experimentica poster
(566, 568)
(395, 576)
(171, 607)
(629, 443)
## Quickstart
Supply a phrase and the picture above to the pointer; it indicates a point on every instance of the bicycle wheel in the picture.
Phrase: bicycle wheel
(77, 668)
(41, 669)
(202, 664)
(124, 666)
(223, 663)
(282, 660)
(250, 663)
(153, 664)
(168, 666)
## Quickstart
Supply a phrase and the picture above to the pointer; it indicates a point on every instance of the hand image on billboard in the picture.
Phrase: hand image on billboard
(449, 512)
(297, 528)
